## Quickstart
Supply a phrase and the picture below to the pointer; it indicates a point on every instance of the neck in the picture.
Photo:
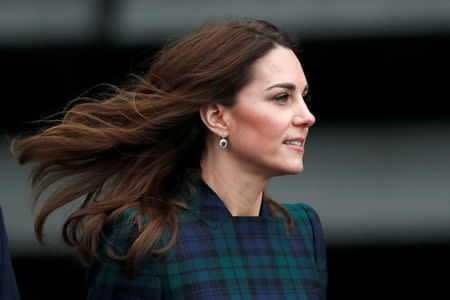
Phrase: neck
(240, 189)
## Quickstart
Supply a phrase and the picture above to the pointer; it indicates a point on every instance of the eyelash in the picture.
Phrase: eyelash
(283, 98)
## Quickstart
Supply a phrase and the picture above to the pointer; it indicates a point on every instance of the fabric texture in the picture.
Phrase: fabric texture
(8, 286)
(219, 256)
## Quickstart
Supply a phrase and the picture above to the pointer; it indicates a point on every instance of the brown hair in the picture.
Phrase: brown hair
(130, 149)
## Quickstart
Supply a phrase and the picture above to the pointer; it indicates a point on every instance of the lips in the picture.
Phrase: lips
(299, 141)
(295, 144)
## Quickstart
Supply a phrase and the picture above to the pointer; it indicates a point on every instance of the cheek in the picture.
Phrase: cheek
(261, 127)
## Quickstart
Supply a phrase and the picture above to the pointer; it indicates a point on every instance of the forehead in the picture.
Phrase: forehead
(278, 65)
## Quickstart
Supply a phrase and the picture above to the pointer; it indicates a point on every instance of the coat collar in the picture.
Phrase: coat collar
(208, 205)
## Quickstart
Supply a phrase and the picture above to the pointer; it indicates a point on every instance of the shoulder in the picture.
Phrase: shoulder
(307, 221)
(110, 278)
(120, 233)
(299, 209)
(310, 227)
(302, 212)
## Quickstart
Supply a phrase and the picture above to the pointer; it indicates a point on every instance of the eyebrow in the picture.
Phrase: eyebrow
(288, 85)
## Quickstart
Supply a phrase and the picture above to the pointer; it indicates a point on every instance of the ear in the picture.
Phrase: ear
(213, 116)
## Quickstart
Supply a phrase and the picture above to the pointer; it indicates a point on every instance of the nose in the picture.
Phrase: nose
(303, 117)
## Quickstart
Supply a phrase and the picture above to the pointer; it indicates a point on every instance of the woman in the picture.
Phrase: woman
(172, 171)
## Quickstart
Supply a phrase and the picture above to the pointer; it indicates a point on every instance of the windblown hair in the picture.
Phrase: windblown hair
(133, 149)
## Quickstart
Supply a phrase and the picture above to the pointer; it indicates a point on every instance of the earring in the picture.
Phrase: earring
(223, 143)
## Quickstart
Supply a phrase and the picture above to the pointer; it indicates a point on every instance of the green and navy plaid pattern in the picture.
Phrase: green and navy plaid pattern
(218, 256)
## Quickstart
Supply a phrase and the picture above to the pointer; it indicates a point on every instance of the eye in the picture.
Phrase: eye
(282, 97)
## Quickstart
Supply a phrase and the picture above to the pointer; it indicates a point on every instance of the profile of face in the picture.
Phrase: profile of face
(270, 111)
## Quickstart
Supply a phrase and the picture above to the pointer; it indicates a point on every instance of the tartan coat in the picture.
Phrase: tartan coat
(218, 256)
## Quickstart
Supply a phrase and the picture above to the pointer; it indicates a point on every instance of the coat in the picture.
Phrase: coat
(8, 286)
(218, 256)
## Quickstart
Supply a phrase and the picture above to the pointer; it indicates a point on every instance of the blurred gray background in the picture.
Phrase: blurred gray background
(375, 183)
(377, 161)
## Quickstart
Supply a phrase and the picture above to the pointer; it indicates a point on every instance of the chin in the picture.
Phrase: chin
(297, 167)
(297, 170)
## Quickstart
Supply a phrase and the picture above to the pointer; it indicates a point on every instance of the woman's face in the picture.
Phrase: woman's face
(269, 112)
